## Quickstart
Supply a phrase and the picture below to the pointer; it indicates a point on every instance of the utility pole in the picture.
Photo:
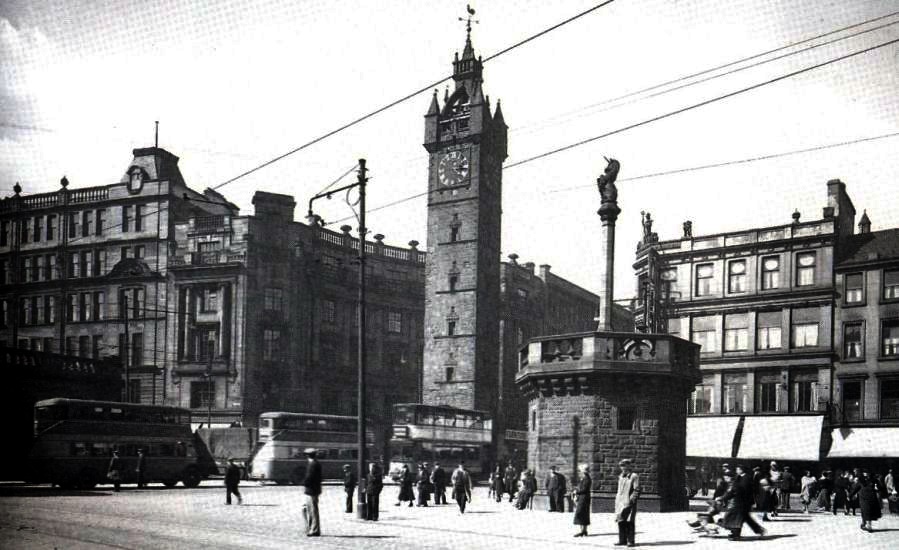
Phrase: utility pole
(360, 397)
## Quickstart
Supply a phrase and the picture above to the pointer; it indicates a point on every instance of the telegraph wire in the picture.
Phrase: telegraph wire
(739, 161)
(404, 98)
(701, 104)
(743, 60)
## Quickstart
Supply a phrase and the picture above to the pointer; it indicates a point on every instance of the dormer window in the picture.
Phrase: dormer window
(136, 177)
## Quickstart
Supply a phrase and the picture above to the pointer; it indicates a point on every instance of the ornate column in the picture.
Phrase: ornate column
(608, 214)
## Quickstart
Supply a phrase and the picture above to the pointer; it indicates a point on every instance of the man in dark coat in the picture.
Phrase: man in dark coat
(349, 485)
(461, 486)
(582, 501)
(747, 490)
(438, 480)
(510, 481)
(232, 480)
(373, 485)
(313, 487)
(114, 472)
(553, 489)
(786, 487)
(141, 469)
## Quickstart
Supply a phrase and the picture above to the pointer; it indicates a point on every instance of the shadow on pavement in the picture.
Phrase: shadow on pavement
(667, 543)
(49, 492)
(791, 520)
(262, 505)
(764, 537)
(480, 512)
(360, 536)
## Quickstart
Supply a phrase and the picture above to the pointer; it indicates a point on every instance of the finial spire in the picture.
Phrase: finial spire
(156, 136)
(468, 52)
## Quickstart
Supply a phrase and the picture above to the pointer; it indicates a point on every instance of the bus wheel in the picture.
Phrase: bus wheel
(296, 477)
(170, 483)
(87, 478)
(191, 477)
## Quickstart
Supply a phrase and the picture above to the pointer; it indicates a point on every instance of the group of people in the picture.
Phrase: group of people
(520, 486)
(115, 472)
(737, 492)
(433, 482)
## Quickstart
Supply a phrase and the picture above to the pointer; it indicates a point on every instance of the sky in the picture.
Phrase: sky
(236, 83)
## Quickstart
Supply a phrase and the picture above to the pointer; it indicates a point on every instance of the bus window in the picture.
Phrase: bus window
(101, 449)
(163, 449)
(115, 413)
(98, 413)
(346, 454)
(180, 449)
(265, 423)
(296, 452)
(354, 453)
(456, 453)
(322, 425)
(77, 448)
(471, 453)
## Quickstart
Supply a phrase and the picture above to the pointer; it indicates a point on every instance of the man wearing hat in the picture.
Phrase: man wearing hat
(626, 503)
(313, 487)
(438, 480)
(232, 480)
(349, 485)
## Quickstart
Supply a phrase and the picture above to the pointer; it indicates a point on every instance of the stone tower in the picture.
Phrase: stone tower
(467, 146)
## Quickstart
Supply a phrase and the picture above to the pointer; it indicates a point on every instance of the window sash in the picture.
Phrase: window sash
(805, 335)
(736, 339)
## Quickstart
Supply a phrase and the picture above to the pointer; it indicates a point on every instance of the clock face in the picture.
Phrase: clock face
(453, 168)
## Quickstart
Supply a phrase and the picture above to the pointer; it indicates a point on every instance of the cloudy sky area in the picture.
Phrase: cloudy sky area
(234, 84)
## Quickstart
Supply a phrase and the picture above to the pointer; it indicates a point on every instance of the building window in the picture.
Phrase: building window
(4, 313)
(852, 399)
(705, 333)
(889, 398)
(84, 346)
(202, 393)
(329, 311)
(805, 391)
(96, 346)
(126, 219)
(209, 300)
(669, 283)
(38, 228)
(736, 393)
(86, 306)
(453, 281)
(736, 332)
(805, 269)
(736, 276)
(702, 397)
(853, 341)
(853, 288)
(891, 284)
(274, 299)
(23, 231)
(805, 335)
(137, 349)
(767, 391)
(72, 313)
(87, 223)
(131, 303)
(271, 350)
(50, 313)
(4, 233)
(890, 337)
(705, 279)
(450, 373)
(101, 220)
(140, 251)
(450, 327)
(139, 217)
(394, 322)
(51, 227)
(626, 418)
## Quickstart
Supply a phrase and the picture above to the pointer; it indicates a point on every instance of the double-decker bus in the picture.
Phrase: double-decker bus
(447, 435)
(74, 440)
(283, 437)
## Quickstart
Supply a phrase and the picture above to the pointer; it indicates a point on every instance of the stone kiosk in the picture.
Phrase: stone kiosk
(595, 398)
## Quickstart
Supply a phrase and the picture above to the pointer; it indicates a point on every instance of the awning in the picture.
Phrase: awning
(711, 436)
(781, 438)
(864, 442)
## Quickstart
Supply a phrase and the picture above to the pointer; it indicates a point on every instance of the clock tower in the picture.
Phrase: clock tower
(467, 146)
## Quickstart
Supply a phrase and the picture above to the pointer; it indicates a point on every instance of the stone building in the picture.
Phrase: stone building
(535, 302)
(71, 260)
(761, 304)
(265, 317)
(866, 371)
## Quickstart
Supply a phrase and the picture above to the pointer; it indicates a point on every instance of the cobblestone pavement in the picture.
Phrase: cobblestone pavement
(157, 518)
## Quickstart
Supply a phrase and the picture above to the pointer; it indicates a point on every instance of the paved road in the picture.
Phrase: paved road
(157, 518)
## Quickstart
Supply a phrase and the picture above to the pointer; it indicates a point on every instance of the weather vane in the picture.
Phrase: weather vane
(468, 21)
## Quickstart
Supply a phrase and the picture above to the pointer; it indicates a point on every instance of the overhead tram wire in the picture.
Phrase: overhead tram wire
(547, 123)
(702, 103)
(664, 116)
(742, 60)
(739, 161)
(405, 97)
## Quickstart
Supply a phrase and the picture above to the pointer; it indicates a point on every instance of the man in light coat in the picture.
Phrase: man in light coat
(626, 503)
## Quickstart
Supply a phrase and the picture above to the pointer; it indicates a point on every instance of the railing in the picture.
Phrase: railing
(94, 194)
(611, 351)
(207, 258)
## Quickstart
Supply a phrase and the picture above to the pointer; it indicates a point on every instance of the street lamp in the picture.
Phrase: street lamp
(360, 398)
